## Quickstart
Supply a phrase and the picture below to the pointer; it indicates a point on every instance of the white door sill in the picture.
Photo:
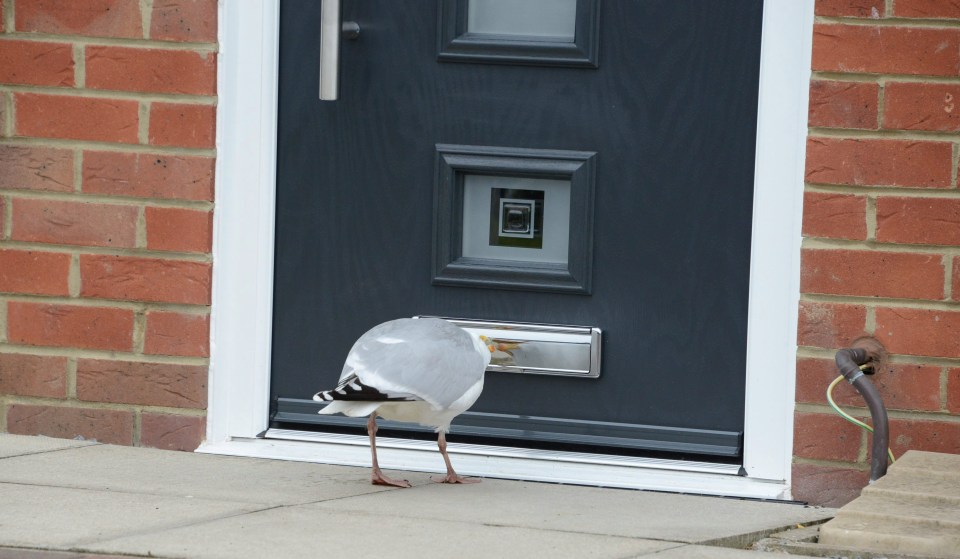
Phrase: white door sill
(506, 463)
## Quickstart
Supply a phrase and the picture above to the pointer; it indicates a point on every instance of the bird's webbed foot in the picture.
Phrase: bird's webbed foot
(377, 478)
(454, 478)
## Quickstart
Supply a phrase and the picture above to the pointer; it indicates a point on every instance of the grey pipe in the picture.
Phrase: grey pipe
(849, 361)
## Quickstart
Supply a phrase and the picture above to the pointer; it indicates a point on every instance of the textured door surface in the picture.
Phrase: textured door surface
(667, 111)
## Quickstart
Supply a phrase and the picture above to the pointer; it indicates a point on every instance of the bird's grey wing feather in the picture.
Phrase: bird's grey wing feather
(429, 358)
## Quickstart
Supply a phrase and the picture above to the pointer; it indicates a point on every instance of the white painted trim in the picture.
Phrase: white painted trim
(243, 266)
(775, 251)
(496, 462)
(239, 380)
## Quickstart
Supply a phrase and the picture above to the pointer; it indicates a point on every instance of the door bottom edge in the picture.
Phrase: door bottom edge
(506, 463)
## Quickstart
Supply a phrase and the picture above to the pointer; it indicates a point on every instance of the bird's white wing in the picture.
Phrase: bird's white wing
(427, 357)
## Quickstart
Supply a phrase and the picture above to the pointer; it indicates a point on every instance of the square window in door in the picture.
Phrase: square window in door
(512, 218)
(531, 32)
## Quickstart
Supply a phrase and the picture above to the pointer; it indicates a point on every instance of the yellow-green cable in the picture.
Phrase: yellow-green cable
(847, 416)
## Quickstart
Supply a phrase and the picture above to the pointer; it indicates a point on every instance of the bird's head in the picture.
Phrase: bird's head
(499, 345)
(489, 343)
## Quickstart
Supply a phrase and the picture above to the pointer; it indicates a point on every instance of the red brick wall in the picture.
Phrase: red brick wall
(107, 112)
(881, 224)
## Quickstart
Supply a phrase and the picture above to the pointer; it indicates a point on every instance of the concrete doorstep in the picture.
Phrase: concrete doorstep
(914, 510)
(911, 513)
(92, 500)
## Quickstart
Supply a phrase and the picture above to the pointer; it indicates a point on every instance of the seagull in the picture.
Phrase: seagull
(423, 370)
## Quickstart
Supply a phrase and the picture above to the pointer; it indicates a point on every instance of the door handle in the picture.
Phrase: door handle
(331, 29)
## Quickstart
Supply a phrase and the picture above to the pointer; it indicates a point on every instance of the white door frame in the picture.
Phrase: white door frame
(239, 373)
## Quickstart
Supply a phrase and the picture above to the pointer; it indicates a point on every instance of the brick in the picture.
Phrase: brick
(148, 176)
(953, 391)
(931, 436)
(825, 437)
(188, 126)
(927, 8)
(184, 20)
(38, 273)
(170, 333)
(902, 386)
(149, 384)
(33, 375)
(145, 279)
(919, 331)
(74, 223)
(179, 229)
(921, 106)
(172, 432)
(830, 325)
(70, 326)
(872, 274)
(813, 378)
(843, 104)
(909, 387)
(36, 63)
(834, 216)
(886, 50)
(864, 162)
(151, 70)
(36, 168)
(850, 8)
(105, 426)
(827, 486)
(95, 18)
(76, 118)
(927, 221)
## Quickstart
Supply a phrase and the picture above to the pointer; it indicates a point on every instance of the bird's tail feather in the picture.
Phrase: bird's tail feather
(350, 409)
(353, 389)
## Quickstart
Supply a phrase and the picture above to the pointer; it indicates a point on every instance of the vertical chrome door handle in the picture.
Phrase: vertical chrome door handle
(330, 32)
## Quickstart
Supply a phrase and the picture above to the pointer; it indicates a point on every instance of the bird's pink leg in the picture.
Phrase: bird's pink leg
(377, 477)
(451, 476)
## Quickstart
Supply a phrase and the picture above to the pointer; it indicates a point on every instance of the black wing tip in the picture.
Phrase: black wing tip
(351, 389)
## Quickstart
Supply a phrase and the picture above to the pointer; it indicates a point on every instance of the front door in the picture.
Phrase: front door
(565, 162)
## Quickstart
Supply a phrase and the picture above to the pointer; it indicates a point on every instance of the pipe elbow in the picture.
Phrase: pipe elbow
(848, 362)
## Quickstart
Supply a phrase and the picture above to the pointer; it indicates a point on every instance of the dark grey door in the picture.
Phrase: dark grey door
(639, 114)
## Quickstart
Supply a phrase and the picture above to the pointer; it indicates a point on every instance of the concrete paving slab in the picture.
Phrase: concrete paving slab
(710, 552)
(587, 510)
(890, 536)
(928, 462)
(23, 553)
(908, 485)
(20, 445)
(919, 512)
(62, 518)
(911, 510)
(226, 478)
(312, 531)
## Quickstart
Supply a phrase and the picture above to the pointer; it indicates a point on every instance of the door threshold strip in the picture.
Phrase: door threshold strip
(508, 452)
(573, 468)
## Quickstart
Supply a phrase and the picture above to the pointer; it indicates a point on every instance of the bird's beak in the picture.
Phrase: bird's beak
(489, 345)
(499, 345)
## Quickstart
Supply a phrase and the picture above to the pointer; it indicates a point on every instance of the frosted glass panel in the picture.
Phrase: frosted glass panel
(540, 19)
(519, 219)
